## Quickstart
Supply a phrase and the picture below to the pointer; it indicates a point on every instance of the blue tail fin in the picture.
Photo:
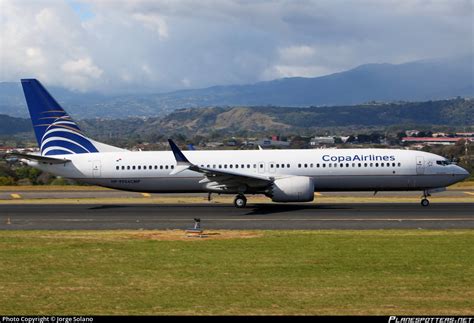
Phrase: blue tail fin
(56, 132)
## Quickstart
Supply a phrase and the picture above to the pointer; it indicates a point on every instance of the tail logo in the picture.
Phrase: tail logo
(63, 136)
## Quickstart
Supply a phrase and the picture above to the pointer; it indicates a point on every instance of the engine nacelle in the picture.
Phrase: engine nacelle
(292, 189)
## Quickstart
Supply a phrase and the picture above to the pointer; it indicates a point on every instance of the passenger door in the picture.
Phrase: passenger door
(96, 168)
(420, 165)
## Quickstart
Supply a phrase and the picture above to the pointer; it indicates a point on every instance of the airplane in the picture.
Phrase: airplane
(281, 175)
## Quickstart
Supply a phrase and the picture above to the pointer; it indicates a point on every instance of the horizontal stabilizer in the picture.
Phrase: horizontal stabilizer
(39, 158)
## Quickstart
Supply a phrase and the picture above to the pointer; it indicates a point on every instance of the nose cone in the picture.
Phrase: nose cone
(462, 173)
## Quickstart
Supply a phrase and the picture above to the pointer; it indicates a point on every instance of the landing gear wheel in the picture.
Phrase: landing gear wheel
(240, 201)
(425, 202)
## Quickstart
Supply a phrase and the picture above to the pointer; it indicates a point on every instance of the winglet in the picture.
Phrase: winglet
(178, 154)
(182, 163)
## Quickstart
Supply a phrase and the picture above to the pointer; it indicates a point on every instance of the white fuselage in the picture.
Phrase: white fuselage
(331, 169)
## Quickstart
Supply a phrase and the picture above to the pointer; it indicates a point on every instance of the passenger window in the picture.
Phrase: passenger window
(172, 166)
(299, 165)
(324, 165)
(347, 165)
(128, 167)
(144, 167)
(117, 167)
(376, 164)
(166, 167)
(161, 166)
(305, 165)
(156, 167)
(287, 165)
(230, 166)
(365, 164)
(139, 167)
(133, 167)
(393, 164)
(399, 164)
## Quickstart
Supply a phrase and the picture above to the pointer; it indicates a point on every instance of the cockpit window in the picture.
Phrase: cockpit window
(442, 162)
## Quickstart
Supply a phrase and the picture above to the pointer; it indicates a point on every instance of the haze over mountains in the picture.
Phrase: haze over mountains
(414, 81)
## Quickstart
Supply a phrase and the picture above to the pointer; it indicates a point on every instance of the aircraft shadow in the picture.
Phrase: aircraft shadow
(251, 209)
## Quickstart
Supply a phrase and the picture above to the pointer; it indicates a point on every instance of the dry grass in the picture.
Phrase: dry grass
(158, 235)
(49, 188)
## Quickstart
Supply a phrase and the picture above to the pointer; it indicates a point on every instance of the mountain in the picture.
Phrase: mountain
(415, 81)
(250, 121)
(10, 125)
(454, 113)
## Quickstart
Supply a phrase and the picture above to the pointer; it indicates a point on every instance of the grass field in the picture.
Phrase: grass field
(234, 272)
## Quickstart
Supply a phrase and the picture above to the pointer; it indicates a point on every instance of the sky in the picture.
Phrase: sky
(132, 46)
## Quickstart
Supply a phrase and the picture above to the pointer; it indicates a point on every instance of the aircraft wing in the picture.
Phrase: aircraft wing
(220, 177)
(39, 158)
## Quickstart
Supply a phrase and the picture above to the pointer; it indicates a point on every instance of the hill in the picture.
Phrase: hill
(415, 81)
(10, 125)
(455, 113)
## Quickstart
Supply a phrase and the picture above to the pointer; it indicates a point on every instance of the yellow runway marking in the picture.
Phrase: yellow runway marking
(15, 196)
(146, 195)
(470, 193)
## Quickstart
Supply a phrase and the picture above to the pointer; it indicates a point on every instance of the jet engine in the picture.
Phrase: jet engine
(292, 189)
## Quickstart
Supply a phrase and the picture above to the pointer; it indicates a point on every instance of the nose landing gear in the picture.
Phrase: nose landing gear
(424, 200)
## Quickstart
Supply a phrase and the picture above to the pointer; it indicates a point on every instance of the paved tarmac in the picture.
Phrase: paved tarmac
(226, 216)
(78, 194)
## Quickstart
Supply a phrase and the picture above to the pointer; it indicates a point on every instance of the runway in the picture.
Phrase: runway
(345, 216)
(65, 193)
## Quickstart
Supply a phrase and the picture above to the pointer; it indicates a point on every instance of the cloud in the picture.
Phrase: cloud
(154, 23)
(144, 45)
(81, 72)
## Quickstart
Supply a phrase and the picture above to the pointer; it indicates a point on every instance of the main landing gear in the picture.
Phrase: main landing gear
(240, 201)
(424, 200)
